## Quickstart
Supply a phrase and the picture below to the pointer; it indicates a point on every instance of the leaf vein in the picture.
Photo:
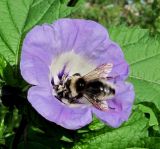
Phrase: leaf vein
(149, 81)
(144, 59)
(11, 17)
(26, 17)
(50, 5)
(35, 4)
(4, 41)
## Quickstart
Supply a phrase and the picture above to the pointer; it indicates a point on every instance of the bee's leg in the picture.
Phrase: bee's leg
(58, 98)
(101, 104)
(66, 95)
(74, 99)
(96, 100)
(55, 87)
(113, 78)
(109, 78)
(104, 105)
(79, 96)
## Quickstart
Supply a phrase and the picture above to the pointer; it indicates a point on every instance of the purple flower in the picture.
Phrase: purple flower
(70, 46)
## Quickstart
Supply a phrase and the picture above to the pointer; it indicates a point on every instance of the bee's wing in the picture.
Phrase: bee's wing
(100, 72)
(99, 105)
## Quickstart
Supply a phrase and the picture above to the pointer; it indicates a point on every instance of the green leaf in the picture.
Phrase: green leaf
(129, 135)
(96, 124)
(18, 17)
(153, 119)
(127, 36)
(152, 142)
(142, 52)
(40, 140)
(136, 148)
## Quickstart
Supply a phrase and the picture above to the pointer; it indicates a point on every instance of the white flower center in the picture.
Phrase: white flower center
(74, 64)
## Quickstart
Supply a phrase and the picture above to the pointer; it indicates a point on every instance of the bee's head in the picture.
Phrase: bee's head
(80, 85)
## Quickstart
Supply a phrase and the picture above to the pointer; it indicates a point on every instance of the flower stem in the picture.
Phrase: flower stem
(19, 132)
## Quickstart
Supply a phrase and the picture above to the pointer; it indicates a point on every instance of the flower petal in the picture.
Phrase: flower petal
(53, 110)
(121, 106)
(37, 53)
(34, 70)
(39, 43)
(91, 40)
(84, 37)
(78, 34)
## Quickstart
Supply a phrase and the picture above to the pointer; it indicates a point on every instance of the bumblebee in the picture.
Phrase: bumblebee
(93, 86)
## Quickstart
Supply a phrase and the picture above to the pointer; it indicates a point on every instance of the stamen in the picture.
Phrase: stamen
(52, 81)
(61, 73)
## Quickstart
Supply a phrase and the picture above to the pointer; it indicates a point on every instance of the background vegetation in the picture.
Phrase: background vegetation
(142, 13)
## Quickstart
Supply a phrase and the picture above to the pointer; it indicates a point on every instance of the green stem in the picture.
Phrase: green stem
(19, 132)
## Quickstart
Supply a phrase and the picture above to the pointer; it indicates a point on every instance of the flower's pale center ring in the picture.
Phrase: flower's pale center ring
(75, 64)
